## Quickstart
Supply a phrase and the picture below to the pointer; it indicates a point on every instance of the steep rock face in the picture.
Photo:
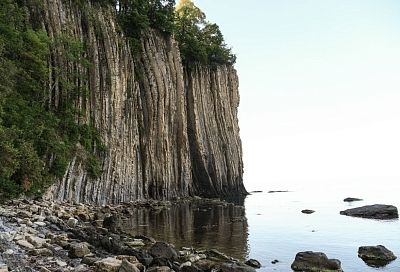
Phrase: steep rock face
(213, 130)
(167, 133)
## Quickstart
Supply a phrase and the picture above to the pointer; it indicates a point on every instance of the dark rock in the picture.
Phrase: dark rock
(112, 222)
(273, 192)
(161, 261)
(308, 211)
(309, 261)
(376, 256)
(143, 257)
(190, 268)
(275, 261)
(351, 199)
(89, 260)
(253, 263)
(377, 211)
(163, 250)
(234, 267)
(206, 265)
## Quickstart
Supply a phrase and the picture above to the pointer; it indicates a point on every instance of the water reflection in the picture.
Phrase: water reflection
(198, 224)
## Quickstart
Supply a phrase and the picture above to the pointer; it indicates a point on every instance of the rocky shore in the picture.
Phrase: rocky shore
(48, 236)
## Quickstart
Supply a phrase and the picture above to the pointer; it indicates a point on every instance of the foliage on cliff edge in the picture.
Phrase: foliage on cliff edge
(36, 142)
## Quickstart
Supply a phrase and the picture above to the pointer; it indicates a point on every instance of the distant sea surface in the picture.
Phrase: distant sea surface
(271, 226)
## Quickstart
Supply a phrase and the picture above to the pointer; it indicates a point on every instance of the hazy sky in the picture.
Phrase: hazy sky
(320, 88)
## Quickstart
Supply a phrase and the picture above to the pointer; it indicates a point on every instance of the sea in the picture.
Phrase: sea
(270, 227)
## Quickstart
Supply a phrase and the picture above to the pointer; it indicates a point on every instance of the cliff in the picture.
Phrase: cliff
(169, 130)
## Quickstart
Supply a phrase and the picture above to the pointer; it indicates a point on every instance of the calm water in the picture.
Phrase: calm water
(271, 226)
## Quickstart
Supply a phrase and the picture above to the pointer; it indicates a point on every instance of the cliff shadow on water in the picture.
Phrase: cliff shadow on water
(168, 127)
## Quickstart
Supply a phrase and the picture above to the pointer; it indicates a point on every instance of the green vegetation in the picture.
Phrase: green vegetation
(199, 40)
(38, 139)
(36, 142)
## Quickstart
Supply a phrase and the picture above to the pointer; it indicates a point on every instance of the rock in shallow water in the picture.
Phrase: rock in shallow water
(351, 199)
(163, 250)
(376, 256)
(309, 261)
(308, 211)
(377, 211)
(253, 263)
(234, 267)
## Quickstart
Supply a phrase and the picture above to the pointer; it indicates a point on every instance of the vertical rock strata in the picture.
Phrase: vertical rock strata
(169, 131)
(213, 130)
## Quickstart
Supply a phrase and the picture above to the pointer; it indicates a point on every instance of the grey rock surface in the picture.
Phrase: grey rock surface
(377, 211)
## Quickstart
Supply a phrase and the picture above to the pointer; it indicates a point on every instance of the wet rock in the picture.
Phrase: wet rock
(109, 264)
(306, 211)
(214, 254)
(235, 267)
(351, 199)
(163, 250)
(377, 211)
(190, 268)
(376, 256)
(253, 263)
(112, 222)
(205, 265)
(309, 261)
(128, 267)
(78, 250)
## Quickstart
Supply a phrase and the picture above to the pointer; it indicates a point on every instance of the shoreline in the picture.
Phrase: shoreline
(50, 236)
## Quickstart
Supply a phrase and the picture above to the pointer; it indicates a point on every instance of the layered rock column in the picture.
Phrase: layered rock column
(169, 131)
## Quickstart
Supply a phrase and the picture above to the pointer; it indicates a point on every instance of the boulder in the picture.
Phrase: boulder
(253, 263)
(377, 211)
(306, 211)
(109, 264)
(128, 267)
(309, 261)
(163, 250)
(351, 199)
(376, 256)
(78, 250)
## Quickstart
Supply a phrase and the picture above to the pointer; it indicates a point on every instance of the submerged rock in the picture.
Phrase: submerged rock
(309, 261)
(235, 267)
(377, 211)
(351, 199)
(253, 263)
(376, 256)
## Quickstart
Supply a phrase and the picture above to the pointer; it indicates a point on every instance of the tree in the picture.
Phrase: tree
(200, 40)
